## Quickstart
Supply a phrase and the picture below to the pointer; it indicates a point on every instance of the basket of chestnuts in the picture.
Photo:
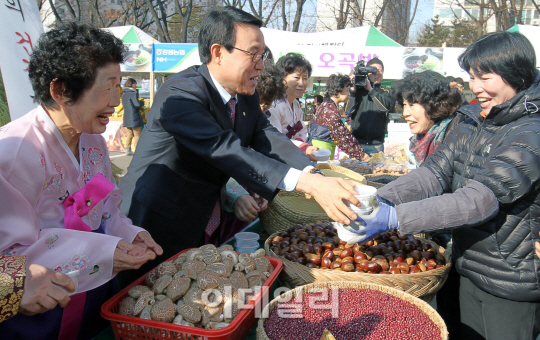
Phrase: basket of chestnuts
(349, 310)
(314, 253)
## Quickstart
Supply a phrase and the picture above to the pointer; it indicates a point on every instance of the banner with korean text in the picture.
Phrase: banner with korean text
(175, 57)
(20, 29)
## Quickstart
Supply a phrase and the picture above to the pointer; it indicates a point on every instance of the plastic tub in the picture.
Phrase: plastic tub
(74, 276)
(243, 239)
(247, 247)
(130, 327)
(322, 155)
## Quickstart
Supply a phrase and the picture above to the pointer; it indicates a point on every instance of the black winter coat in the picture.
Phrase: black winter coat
(369, 113)
(503, 153)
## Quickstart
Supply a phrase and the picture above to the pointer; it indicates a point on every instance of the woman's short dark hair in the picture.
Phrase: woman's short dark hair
(219, 27)
(508, 54)
(129, 82)
(319, 98)
(71, 55)
(270, 85)
(335, 84)
(290, 62)
(431, 90)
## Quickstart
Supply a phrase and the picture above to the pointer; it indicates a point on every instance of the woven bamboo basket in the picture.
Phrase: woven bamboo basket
(369, 179)
(423, 285)
(290, 207)
(422, 305)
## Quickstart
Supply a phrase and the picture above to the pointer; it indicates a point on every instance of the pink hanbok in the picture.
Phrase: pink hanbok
(38, 172)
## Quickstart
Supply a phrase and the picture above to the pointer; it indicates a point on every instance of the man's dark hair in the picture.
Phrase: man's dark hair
(270, 59)
(290, 62)
(459, 80)
(508, 54)
(450, 79)
(129, 82)
(335, 84)
(375, 61)
(431, 90)
(319, 98)
(270, 85)
(71, 55)
(219, 27)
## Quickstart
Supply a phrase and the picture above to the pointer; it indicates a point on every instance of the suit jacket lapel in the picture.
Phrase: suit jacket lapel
(220, 109)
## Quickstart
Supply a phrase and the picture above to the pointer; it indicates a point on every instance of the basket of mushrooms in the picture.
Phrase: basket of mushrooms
(201, 293)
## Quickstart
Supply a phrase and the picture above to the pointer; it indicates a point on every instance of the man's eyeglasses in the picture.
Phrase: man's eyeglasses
(255, 56)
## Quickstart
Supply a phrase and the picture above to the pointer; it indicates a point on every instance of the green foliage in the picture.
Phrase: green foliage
(433, 34)
(461, 34)
(4, 110)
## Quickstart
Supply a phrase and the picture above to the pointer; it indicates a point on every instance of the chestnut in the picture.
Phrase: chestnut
(311, 239)
(394, 271)
(311, 265)
(369, 255)
(415, 254)
(325, 262)
(426, 246)
(290, 257)
(359, 256)
(404, 267)
(277, 239)
(335, 265)
(369, 243)
(301, 260)
(327, 245)
(285, 244)
(296, 252)
(374, 250)
(422, 267)
(373, 267)
(356, 248)
(346, 253)
(315, 259)
(415, 269)
(307, 249)
(337, 251)
(389, 257)
(410, 261)
(317, 248)
(347, 267)
(275, 250)
(284, 251)
(383, 263)
(407, 247)
(347, 259)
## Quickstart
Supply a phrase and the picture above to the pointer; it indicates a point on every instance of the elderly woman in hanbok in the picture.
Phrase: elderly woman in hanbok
(59, 201)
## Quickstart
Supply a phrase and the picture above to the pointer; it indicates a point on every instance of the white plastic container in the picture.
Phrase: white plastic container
(74, 276)
(365, 194)
(244, 239)
(322, 155)
(248, 246)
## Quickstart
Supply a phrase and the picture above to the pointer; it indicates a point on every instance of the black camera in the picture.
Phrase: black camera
(361, 72)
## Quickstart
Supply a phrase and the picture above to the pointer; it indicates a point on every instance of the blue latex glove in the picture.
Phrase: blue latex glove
(366, 227)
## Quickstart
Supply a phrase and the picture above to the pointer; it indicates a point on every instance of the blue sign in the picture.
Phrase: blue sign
(170, 57)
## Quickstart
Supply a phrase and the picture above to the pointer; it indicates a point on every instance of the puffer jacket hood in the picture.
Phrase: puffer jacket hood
(503, 153)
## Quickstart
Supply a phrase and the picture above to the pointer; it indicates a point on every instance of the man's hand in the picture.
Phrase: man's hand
(329, 192)
(365, 157)
(309, 153)
(44, 289)
(368, 85)
(130, 256)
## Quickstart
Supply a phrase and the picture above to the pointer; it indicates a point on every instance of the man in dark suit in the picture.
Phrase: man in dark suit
(190, 146)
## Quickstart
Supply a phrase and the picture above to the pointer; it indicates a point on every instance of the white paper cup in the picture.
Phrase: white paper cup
(365, 193)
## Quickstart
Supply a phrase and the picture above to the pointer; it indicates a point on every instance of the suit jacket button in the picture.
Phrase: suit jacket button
(265, 181)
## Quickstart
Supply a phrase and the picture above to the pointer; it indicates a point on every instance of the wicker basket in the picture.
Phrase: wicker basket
(423, 285)
(290, 207)
(423, 306)
(371, 177)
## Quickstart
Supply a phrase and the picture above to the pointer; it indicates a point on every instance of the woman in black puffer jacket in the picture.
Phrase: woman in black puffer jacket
(483, 182)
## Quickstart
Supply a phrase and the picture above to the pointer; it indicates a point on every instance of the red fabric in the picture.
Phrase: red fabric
(304, 147)
(72, 317)
(81, 202)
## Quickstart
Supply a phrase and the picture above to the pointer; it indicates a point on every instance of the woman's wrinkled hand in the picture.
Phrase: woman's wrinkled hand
(147, 243)
(44, 289)
(131, 256)
(309, 153)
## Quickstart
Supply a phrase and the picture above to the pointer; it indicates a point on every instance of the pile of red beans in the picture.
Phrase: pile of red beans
(363, 314)
(317, 245)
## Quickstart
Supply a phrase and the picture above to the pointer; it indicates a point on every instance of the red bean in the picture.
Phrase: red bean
(363, 314)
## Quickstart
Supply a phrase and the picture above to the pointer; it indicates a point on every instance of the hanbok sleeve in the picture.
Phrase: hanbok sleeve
(59, 249)
(116, 223)
(12, 274)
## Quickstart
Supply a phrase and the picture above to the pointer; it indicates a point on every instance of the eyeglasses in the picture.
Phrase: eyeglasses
(255, 56)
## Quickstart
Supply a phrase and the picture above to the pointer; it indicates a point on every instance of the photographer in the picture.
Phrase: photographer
(368, 108)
